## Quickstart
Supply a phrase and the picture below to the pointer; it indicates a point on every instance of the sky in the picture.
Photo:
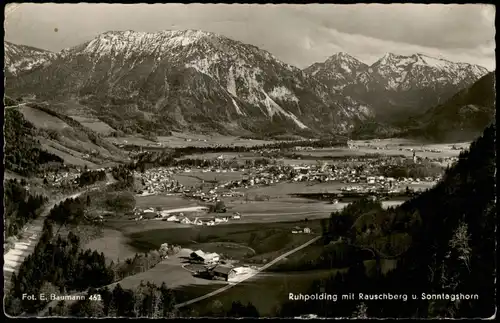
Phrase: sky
(299, 35)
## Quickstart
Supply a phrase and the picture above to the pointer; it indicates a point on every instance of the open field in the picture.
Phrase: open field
(163, 201)
(225, 155)
(113, 244)
(262, 238)
(284, 189)
(69, 158)
(169, 271)
(210, 176)
(185, 140)
(132, 227)
(181, 140)
(265, 291)
(43, 120)
(130, 140)
(228, 249)
(390, 146)
(94, 124)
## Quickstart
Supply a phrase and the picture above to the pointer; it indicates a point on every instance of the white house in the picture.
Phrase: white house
(185, 220)
(221, 220)
(173, 218)
(206, 258)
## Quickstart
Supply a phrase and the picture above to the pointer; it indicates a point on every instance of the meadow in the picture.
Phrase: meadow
(266, 291)
(254, 239)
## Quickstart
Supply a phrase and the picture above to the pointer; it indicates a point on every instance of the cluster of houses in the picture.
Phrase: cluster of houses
(305, 230)
(62, 178)
(68, 177)
(179, 217)
(214, 268)
(209, 221)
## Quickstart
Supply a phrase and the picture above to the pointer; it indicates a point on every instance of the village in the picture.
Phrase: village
(352, 172)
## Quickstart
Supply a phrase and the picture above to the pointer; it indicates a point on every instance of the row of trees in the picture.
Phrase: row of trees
(282, 145)
(147, 300)
(20, 206)
(410, 169)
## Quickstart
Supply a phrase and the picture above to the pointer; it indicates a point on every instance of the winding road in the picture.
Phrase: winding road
(231, 285)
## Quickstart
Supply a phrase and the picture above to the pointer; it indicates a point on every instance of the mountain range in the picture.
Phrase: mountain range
(397, 86)
(204, 82)
(20, 58)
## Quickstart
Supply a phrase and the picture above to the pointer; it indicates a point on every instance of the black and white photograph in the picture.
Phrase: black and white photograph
(224, 161)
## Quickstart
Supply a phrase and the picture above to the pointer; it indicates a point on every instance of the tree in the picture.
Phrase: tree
(217, 308)
(220, 207)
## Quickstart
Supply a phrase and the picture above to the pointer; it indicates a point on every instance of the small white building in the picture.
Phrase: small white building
(207, 258)
(173, 218)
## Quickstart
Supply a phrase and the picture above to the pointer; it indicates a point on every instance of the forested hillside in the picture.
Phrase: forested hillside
(23, 154)
(441, 243)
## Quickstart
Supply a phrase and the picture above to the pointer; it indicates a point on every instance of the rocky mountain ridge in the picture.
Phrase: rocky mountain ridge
(193, 79)
(397, 85)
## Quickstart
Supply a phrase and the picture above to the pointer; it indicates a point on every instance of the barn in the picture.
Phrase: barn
(222, 272)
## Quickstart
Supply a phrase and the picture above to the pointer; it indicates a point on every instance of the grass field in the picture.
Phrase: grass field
(113, 244)
(265, 291)
(69, 158)
(213, 176)
(42, 120)
(163, 201)
(263, 238)
(284, 189)
(169, 271)
(228, 249)
(180, 140)
(94, 124)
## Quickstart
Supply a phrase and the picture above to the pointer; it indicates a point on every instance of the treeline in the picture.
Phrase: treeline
(443, 241)
(69, 212)
(413, 170)
(124, 176)
(237, 310)
(146, 163)
(20, 206)
(90, 177)
(132, 266)
(189, 150)
(147, 300)
(23, 154)
(55, 267)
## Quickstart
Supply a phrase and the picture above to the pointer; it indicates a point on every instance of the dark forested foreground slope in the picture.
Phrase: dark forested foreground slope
(23, 153)
(443, 242)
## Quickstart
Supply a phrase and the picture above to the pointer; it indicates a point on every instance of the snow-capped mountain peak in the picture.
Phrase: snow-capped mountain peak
(196, 78)
(20, 58)
(338, 70)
